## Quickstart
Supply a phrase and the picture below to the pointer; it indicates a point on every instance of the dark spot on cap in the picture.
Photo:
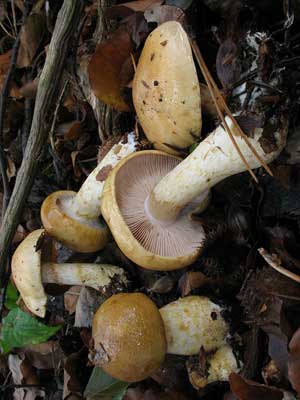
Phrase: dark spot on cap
(214, 316)
(103, 173)
(145, 84)
(152, 56)
(144, 102)
(208, 180)
(160, 99)
(183, 102)
(163, 43)
(155, 83)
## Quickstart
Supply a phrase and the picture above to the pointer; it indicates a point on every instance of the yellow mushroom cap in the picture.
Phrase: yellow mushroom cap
(146, 241)
(27, 275)
(166, 91)
(79, 234)
(193, 322)
(129, 337)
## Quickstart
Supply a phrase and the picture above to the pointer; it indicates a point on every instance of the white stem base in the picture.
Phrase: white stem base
(212, 161)
(87, 202)
(97, 276)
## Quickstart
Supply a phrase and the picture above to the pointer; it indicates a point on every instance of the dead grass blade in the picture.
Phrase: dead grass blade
(223, 110)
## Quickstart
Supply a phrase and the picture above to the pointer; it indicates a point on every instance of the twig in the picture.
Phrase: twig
(49, 81)
(223, 108)
(274, 261)
(12, 3)
(58, 104)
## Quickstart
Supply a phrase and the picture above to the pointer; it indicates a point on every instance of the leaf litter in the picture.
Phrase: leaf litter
(251, 51)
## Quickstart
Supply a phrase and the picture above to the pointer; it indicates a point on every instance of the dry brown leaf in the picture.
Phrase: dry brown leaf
(105, 67)
(24, 374)
(88, 302)
(192, 280)
(77, 170)
(71, 298)
(72, 374)
(248, 390)
(11, 169)
(48, 355)
(160, 14)
(29, 89)
(294, 361)
(32, 33)
(126, 9)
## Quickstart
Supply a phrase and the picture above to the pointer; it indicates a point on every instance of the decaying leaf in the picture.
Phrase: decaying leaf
(160, 14)
(74, 371)
(24, 374)
(105, 67)
(249, 390)
(126, 9)
(103, 387)
(71, 298)
(48, 355)
(294, 361)
(32, 33)
(87, 304)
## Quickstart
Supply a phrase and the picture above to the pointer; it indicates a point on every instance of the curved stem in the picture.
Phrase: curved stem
(97, 276)
(212, 161)
(87, 201)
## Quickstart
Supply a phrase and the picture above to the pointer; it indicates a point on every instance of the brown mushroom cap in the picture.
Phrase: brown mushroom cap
(166, 92)
(27, 275)
(149, 243)
(129, 337)
(82, 234)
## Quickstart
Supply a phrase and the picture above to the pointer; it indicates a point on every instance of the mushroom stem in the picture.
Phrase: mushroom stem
(212, 161)
(87, 201)
(93, 275)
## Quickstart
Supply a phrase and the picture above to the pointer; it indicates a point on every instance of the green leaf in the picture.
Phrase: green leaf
(12, 296)
(103, 387)
(193, 147)
(20, 329)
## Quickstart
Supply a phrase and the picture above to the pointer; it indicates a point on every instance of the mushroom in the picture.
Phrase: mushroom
(29, 273)
(148, 197)
(129, 337)
(166, 92)
(192, 323)
(219, 365)
(73, 218)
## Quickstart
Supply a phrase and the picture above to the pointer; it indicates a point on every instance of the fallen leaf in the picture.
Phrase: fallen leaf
(32, 33)
(228, 69)
(88, 302)
(12, 296)
(192, 280)
(74, 370)
(48, 355)
(184, 4)
(163, 285)
(160, 14)
(105, 67)
(126, 9)
(20, 329)
(248, 390)
(24, 374)
(103, 387)
(29, 89)
(294, 361)
(71, 298)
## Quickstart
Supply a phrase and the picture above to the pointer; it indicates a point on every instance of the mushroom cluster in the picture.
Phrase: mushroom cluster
(147, 198)
(131, 336)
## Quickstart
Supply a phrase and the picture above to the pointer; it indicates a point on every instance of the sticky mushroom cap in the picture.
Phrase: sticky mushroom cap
(26, 272)
(129, 337)
(193, 322)
(79, 234)
(166, 91)
(146, 241)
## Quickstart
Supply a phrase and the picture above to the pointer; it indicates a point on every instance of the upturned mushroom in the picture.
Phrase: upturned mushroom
(129, 337)
(30, 273)
(166, 91)
(73, 218)
(148, 197)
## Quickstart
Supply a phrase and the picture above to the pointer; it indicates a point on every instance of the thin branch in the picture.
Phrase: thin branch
(66, 22)
(274, 261)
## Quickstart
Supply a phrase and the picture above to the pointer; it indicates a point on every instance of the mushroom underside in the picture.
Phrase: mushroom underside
(134, 183)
